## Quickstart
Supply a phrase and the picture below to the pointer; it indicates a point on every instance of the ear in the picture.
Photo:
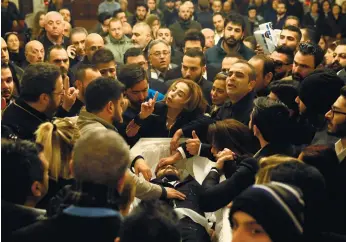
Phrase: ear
(36, 188)
(204, 68)
(110, 107)
(252, 84)
(44, 98)
(267, 78)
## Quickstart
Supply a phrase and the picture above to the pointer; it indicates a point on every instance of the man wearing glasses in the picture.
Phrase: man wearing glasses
(336, 119)
(317, 93)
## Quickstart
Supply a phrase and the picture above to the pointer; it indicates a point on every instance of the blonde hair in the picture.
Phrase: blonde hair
(58, 139)
(196, 99)
(267, 164)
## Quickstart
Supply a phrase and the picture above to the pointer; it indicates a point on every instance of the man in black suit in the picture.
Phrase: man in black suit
(279, 20)
(190, 224)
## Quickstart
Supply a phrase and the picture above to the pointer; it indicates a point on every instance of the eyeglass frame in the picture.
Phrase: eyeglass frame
(333, 111)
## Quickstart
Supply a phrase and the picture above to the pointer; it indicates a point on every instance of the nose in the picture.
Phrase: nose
(142, 96)
(297, 100)
(328, 115)
(4, 85)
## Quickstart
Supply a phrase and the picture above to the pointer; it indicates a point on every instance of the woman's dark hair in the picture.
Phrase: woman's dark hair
(232, 134)
(324, 158)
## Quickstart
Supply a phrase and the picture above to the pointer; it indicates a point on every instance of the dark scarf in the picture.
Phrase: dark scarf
(185, 24)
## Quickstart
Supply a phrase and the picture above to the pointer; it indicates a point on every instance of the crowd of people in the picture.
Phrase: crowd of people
(74, 101)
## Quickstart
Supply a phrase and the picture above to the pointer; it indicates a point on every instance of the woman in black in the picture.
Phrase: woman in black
(182, 109)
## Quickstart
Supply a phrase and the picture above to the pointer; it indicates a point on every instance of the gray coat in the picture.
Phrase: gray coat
(118, 47)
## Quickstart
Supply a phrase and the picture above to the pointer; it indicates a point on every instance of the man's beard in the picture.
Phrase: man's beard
(232, 42)
(6, 93)
(51, 108)
(141, 18)
(335, 66)
(297, 77)
(340, 131)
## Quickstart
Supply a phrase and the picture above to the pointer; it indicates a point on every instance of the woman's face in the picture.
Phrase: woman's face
(178, 96)
(329, 56)
(155, 26)
(322, 43)
(326, 6)
(41, 21)
(13, 43)
(336, 9)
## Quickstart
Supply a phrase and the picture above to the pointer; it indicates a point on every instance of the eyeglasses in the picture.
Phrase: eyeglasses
(279, 64)
(158, 54)
(333, 111)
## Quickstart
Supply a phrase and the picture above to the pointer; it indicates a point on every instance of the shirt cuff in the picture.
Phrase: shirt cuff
(199, 149)
(182, 152)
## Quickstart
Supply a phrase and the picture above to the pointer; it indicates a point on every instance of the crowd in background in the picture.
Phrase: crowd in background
(74, 101)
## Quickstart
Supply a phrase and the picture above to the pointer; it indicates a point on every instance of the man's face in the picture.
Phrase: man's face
(218, 22)
(288, 38)
(118, 110)
(168, 171)
(116, 30)
(303, 65)
(160, 57)
(90, 75)
(78, 41)
(151, 4)
(141, 13)
(184, 13)
(169, 4)
(258, 65)
(65, 14)
(238, 83)
(4, 52)
(216, 6)
(138, 93)
(140, 60)
(244, 226)
(191, 68)
(56, 98)
(218, 92)
(7, 84)
(281, 9)
(292, 22)
(140, 37)
(54, 25)
(233, 34)
(67, 29)
(92, 45)
(209, 38)
(122, 17)
(59, 58)
(165, 35)
(35, 53)
(339, 60)
(177, 4)
(108, 69)
(227, 62)
(252, 13)
(336, 118)
(192, 44)
(282, 67)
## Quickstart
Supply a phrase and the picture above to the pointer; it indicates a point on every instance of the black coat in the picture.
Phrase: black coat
(47, 44)
(74, 225)
(239, 111)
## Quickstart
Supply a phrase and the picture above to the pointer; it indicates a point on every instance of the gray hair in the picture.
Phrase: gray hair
(156, 42)
(77, 30)
(100, 156)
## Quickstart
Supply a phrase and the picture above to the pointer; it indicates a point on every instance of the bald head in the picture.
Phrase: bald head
(97, 164)
(5, 58)
(185, 12)
(34, 52)
(93, 42)
(209, 37)
(141, 35)
(54, 24)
